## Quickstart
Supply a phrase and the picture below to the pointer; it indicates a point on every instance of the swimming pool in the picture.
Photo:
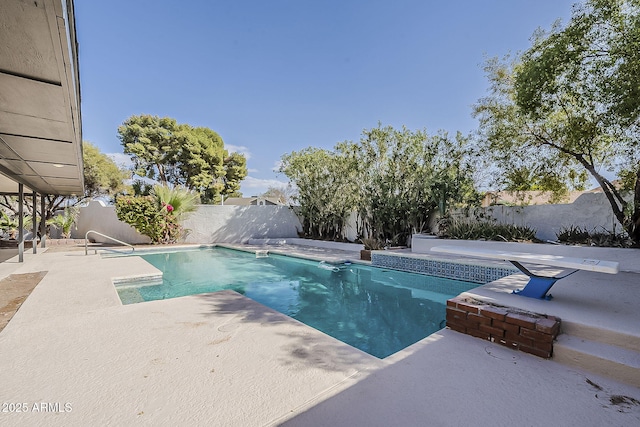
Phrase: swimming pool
(376, 310)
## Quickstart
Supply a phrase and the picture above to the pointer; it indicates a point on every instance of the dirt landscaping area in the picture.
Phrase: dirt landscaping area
(14, 290)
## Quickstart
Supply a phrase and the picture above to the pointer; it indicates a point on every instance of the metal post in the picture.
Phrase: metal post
(34, 226)
(43, 225)
(20, 223)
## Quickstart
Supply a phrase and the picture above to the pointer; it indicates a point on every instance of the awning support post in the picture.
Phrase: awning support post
(20, 223)
(43, 225)
(34, 225)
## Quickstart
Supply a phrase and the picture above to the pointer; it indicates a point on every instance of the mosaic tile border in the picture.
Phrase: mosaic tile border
(434, 267)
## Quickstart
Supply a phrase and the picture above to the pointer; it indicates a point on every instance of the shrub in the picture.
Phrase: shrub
(64, 221)
(150, 217)
(141, 213)
(577, 235)
(573, 234)
(479, 230)
(373, 244)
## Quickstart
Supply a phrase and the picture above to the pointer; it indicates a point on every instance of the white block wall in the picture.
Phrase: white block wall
(103, 219)
(591, 211)
(238, 224)
(209, 224)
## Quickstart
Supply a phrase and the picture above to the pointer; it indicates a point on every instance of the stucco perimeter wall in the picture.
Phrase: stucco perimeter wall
(101, 218)
(209, 224)
(238, 224)
(591, 211)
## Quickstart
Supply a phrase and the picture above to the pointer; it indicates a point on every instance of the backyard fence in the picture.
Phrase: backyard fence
(236, 224)
(208, 224)
(590, 211)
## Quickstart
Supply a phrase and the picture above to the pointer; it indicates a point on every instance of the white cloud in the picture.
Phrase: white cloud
(238, 149)
(121, 159)
(251, 186)
(251, 182)
(276, 166)
(253, 170)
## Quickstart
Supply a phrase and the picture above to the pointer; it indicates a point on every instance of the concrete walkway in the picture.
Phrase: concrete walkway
(74, 356)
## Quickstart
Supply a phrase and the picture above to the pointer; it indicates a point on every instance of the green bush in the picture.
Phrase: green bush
(157, 215)
(577, 235)
(64, 221)
(373, 244)
(573, 234)
(149, 217)
(484, 230)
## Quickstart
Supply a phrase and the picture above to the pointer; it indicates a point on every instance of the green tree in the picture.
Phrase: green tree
(177, 154)
(200, 160)
(569, 107)
(407, 177)
(394, 179)
(152, 143)
(102, 177)
(327, 189)
(235, 166)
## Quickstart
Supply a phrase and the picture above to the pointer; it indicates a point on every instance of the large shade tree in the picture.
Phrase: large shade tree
(102, 176)
(178, 154)
(395, 180)
(569, 107)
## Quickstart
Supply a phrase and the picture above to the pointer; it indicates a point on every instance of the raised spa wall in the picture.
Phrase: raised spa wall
(468, 272)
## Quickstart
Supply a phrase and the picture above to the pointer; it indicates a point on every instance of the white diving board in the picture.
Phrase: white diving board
(538, 285)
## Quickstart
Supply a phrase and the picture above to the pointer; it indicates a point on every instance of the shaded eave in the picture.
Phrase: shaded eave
(40, 123)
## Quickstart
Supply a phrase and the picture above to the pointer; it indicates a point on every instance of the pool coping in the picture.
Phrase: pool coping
(505, 284)
(438, 291)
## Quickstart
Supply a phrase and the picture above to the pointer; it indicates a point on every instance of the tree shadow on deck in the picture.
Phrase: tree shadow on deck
(300, 346)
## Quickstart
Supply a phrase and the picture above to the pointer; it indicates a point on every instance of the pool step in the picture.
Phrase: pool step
(620, 363)
(629, 339)
(136, 281)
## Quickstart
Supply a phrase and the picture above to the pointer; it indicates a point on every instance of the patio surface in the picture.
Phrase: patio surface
(75, 356)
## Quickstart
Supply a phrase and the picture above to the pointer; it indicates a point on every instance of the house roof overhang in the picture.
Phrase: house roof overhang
(40, 121)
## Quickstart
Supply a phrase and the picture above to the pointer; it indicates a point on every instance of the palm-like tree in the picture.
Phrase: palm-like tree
(65, 221)
(177, 200)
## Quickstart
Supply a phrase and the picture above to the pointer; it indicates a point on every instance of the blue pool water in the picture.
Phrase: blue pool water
(377, 310)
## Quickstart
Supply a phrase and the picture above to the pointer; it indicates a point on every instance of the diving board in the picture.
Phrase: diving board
(538, 285)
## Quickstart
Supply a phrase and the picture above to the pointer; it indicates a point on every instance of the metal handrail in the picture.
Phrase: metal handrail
(86, 240)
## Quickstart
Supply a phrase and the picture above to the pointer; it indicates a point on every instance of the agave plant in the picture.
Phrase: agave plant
(372, 244)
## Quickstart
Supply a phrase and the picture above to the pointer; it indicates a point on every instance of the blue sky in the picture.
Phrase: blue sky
(276, 76)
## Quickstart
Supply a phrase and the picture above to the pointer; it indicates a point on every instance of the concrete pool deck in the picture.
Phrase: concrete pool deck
(76, 356)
